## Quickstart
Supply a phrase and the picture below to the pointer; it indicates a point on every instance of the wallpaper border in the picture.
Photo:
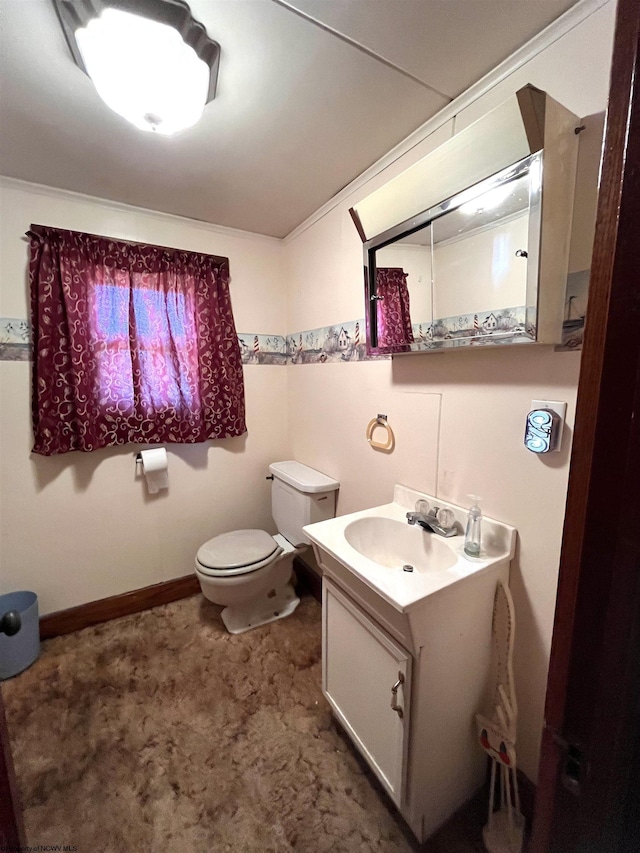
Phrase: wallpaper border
(15, 339)
(342, 343)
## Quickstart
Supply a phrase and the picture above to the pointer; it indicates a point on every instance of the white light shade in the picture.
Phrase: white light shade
(144, 71)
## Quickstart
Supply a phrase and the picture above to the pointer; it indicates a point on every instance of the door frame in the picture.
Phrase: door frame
(12, 835)
(593, 685)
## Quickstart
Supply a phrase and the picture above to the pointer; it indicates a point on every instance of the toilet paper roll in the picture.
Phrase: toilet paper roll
(155, 467)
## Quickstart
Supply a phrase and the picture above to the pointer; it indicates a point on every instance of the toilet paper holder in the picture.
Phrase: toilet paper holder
(152, 466)
(138, 456)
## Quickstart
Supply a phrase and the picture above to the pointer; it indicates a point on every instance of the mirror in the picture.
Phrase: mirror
(462, 273)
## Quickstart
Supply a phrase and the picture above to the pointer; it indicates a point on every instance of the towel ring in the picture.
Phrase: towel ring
(380, 420)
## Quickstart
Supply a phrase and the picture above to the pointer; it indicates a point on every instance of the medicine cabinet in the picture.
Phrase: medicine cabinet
(485, 263)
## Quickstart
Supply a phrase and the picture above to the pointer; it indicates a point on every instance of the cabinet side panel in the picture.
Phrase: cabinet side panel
(451, 684)
(558, 188)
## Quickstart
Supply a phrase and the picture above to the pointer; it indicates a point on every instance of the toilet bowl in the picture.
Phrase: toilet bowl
(255, 593)
(249, 571)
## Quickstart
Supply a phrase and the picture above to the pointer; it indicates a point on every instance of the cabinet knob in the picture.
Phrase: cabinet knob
(394, 696)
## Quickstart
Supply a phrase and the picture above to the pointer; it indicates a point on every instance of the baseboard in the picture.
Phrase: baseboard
(94, 612)
(308, 580)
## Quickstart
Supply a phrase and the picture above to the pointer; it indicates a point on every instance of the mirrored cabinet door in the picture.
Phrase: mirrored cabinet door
(462, 273)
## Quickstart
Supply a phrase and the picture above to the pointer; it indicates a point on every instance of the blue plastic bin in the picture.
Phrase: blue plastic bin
(19, 651)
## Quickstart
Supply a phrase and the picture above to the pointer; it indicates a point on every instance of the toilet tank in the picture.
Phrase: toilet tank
(300, 495)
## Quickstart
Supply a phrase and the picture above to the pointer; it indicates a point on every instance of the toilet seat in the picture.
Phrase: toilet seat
(237, 553)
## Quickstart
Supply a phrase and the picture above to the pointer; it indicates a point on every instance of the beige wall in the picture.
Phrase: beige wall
(458, 416)
(81, 527)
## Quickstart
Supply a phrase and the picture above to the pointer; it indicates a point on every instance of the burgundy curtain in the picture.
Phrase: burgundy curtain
(394, 318)
(132, 344)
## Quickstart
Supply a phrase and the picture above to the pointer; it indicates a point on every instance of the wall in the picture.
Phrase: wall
(458, 416)
(82, 527)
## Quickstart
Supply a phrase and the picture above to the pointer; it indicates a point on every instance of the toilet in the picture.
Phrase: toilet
(249, 571)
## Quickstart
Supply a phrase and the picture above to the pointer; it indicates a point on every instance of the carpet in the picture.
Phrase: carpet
(160, 732)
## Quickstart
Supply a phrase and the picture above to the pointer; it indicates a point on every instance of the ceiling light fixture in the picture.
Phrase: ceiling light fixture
(149, 60)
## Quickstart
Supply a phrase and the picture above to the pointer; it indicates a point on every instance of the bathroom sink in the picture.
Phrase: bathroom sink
(396, 544)
(375, 544)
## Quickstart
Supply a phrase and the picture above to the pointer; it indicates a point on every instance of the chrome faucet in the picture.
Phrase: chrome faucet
(439, 521)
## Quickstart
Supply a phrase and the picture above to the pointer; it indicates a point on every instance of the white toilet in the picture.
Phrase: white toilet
(249, 571)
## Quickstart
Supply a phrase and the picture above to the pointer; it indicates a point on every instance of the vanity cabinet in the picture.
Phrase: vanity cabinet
(427, 760)
(406, 655)
(366, 677)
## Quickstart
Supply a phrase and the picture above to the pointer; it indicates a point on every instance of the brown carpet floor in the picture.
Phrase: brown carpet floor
(161, 732)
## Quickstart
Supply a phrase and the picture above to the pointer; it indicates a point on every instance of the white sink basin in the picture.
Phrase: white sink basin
(376, 543)
(395, 544)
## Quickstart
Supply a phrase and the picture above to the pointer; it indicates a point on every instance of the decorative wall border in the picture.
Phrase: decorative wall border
(340, 342)
(499, 326)
(345, 342)
(15, 339)
(575, 309)
(262, 349)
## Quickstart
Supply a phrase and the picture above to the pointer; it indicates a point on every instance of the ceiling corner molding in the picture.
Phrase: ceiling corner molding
(544, 39)
(55, 192)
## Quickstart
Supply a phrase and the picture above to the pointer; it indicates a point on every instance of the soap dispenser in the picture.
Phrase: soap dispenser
(473, 533)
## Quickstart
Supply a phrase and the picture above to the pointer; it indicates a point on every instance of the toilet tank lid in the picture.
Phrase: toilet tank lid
(303, 478)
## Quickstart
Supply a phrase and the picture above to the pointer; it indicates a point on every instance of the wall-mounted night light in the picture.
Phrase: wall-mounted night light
(149, 60)
(543, 432)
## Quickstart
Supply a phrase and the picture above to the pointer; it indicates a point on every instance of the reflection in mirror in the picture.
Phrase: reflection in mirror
(393, 308)
(462, 273)
(415, 253)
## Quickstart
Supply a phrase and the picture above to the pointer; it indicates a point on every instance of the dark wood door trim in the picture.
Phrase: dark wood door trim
(12, 835)
(590, 684)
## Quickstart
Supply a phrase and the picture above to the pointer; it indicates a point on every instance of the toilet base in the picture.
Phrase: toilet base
(261, 610)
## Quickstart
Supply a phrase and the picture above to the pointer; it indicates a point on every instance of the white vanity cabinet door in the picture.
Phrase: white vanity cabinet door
(361, 664)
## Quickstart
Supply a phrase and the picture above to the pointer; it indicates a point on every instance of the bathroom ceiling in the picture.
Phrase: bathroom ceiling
(310, 93)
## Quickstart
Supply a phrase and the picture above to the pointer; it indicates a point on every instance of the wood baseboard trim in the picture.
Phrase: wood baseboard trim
(308, 580)
(95, 612)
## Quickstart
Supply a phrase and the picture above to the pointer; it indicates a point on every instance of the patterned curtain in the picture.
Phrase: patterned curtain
(394, 318)
(132, 344)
